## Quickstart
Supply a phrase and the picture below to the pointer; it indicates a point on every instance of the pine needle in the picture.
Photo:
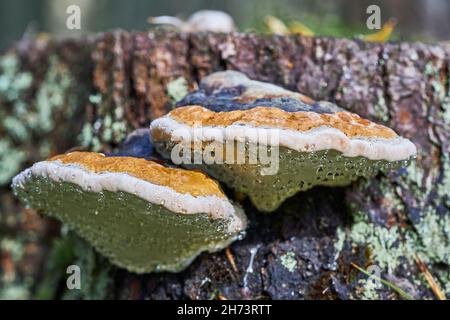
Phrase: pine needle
(431, 282)
(231, 259)
(216, 295)
(394, 287)
(383, 34)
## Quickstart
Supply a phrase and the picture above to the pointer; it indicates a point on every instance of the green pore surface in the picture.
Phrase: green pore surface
(133, 233)
(297, 171)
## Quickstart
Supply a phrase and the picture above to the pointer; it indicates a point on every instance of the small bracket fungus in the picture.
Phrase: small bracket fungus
(141, 215)
(200, 21)
(270, 143)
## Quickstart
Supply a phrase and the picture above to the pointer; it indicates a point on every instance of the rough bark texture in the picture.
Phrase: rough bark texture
(91, 92)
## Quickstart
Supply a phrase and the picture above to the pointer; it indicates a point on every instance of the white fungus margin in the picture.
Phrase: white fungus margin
(321, 138)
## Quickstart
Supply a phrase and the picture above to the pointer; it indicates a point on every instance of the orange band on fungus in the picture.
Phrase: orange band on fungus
(182, 181)
(348, 123)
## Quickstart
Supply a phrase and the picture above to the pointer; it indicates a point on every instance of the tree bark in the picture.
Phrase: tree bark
(93, 91)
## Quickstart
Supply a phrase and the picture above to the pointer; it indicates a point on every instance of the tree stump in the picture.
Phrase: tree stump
(91, 92)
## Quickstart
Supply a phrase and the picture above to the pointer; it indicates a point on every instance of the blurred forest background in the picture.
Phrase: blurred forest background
(426, 20)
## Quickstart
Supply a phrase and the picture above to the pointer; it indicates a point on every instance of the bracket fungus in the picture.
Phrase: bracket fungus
(142, 215)
(200, 21)
(270, 143)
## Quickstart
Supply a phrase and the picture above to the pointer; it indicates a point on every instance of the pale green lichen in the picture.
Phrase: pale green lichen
(370, 289)
(446, 108)
(395, 246)
(13, 86)
(414, 177)
(11, 159)
(14, 292)
(24, 117)
(380, 108)
(435, 78)
(177, 89)
(113, 130)
(13, 247)
(88, 139)
(289, 261)
(434, 232)
(52, 94)
(439, 87)
(119, 131)
(107, 131)
(387, 245)
(12, 288)
(443, 275)
(340, 240)
(110, 127)
(384, 243)
(95, 98)
(443, 188)
(13, 82)
(15, 128)
(118, 113)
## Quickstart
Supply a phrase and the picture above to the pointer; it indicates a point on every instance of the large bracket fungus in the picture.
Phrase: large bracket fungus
(270, 143)
(141, 215)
